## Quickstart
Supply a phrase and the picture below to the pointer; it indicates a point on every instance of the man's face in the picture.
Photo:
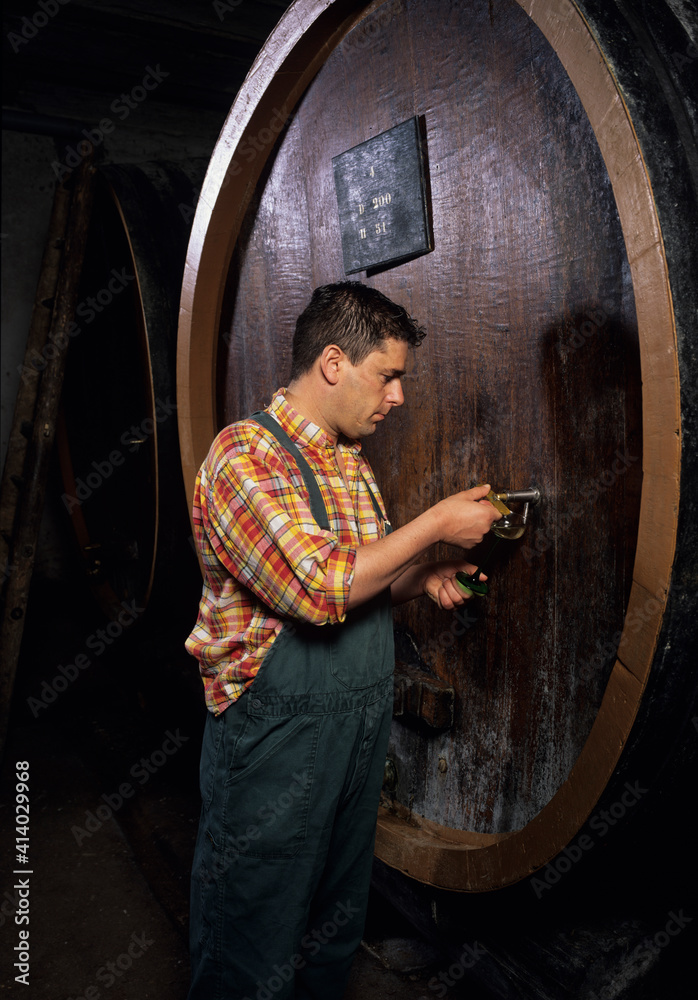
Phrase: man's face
(372, 388)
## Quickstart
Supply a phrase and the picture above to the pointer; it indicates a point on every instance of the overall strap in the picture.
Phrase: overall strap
(376, 505)
(317, 504)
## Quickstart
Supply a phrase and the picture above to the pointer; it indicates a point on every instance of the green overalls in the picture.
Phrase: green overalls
(290, 780)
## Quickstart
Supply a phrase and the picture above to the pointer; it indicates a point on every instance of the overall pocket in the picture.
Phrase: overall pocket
(361, 650)
(267, 793)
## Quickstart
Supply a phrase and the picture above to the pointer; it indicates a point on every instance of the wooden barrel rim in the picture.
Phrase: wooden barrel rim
(292, 55)
(104, 591)
(139, 201)
(145, 338)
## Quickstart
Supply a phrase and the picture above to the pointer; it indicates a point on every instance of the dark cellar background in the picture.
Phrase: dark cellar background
(108, 710)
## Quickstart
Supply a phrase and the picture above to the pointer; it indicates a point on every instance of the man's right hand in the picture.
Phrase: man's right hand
(465, 518)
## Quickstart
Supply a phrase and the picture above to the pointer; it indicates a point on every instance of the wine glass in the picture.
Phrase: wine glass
(509, 526)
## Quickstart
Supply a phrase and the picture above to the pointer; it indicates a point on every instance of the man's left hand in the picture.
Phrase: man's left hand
(440, 583)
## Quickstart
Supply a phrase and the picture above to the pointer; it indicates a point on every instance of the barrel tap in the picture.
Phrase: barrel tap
(528, 496)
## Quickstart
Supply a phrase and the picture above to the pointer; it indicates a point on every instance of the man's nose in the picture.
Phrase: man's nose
(396, 395)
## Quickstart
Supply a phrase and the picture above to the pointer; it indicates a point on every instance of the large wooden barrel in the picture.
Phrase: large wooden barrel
(559, 306)
(118, 436)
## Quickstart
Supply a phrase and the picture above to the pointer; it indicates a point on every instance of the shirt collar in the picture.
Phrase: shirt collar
(304, 432)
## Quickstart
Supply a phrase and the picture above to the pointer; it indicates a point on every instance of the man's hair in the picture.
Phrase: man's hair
(355, 317)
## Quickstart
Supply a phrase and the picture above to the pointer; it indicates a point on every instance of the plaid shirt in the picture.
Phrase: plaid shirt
(265, 558)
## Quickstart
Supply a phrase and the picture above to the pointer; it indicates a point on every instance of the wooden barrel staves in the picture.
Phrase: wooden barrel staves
(559, 306)
(118, 440)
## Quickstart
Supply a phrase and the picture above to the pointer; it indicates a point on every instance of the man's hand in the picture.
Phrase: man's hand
(466, 517)
(439, 583)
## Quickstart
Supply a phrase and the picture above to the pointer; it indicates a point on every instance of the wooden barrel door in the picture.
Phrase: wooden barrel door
(546, 301)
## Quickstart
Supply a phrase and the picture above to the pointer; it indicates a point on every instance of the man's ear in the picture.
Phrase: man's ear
(331, 361)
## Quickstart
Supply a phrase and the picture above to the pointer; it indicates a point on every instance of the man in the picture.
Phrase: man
(295, 644)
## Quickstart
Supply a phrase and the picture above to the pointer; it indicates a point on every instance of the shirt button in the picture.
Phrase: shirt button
(256, 703)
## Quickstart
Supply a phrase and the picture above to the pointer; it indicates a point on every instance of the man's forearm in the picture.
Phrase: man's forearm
(379, 564)
(410, 583)
(461, 520)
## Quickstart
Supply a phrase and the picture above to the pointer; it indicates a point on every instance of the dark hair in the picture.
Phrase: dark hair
(355, 317)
